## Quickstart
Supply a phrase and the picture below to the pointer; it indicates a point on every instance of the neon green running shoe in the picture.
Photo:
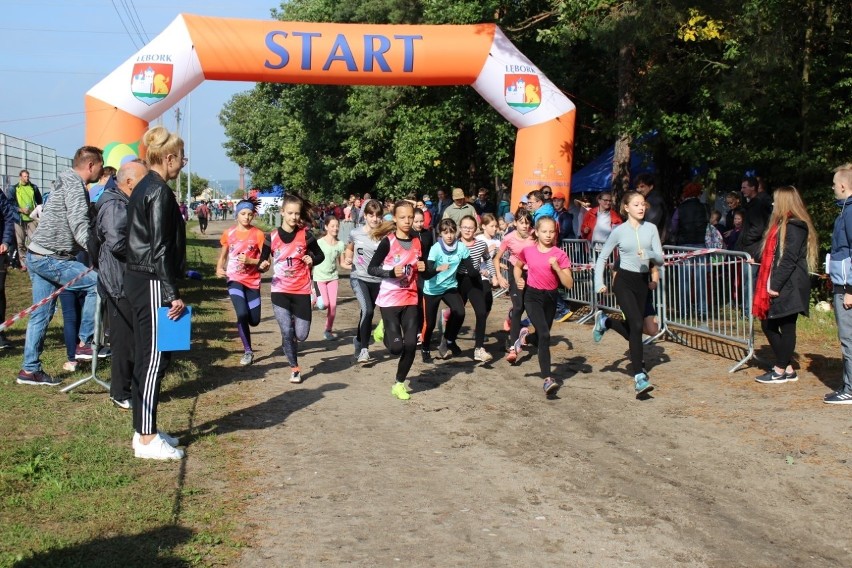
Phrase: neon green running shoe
(399, 391)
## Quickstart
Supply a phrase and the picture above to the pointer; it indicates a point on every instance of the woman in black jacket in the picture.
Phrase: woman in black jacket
(783, 283)
(156, 248)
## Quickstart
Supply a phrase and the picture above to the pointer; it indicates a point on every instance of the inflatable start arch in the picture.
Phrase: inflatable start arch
(195, 48)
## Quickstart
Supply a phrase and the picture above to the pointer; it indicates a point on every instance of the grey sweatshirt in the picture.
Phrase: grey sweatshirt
(64, 223)
(628, 240)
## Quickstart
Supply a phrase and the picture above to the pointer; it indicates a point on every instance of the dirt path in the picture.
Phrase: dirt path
(478, 468)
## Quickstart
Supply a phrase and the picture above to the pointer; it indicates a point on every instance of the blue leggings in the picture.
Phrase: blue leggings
(247, 307)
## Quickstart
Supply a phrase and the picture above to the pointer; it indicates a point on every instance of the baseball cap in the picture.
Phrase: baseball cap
(525, 199)
(559, 195)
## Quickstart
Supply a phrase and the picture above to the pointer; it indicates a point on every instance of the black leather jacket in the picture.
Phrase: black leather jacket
(156, 234)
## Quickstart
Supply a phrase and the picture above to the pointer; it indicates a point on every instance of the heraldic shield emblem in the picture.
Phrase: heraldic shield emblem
(522, 92)
(151, 82)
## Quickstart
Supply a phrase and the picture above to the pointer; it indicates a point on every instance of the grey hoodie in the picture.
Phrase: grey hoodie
(64, 224)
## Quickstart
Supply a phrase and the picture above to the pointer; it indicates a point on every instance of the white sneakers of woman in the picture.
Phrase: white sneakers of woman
(160, 448)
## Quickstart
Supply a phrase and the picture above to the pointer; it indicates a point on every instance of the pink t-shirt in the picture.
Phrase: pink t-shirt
(514, 244)
(540, 275)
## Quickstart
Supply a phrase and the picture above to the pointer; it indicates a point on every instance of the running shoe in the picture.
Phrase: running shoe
(832, 393)
(839, 398)
(512, 355)
(455, 350)
(521, 342)
(248, 359)
(551, 386)
(643, 385)
(37, 378)
(770, 378)
(427, 356)
(480, 354)
(443, 349)
(792, 376)
(398, 390)
(170, 440)
(83, 353)
(328, 335)
(564, 316)
(600, 327)
(158, 449)
(295, 375)
(364, 356)
(125, 404)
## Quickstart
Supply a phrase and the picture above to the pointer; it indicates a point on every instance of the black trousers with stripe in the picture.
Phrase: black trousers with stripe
(146, 295)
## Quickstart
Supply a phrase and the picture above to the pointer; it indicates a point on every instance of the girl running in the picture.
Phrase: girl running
(240, 262)
(515, 242)
(426, 241)
(325, 273)
(357, 256)
(547, 266)
(639, 247)
(444, 261)
(397, 262)
(475, 285)
(294, 250)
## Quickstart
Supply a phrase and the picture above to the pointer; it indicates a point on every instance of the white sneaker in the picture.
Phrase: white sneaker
(480, 354)
(295, 376)
(443, 349)
(364, 356)
(248, 359)
(170, 440)
(158, 449)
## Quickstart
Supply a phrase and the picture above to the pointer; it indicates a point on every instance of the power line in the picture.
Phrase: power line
(130, 35)
(144, 35)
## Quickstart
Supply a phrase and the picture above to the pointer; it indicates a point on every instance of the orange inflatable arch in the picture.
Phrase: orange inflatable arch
(194, 48)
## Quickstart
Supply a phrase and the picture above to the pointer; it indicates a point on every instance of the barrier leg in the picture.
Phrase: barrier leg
(96, 347)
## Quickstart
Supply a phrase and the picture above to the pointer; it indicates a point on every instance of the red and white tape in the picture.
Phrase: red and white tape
(22, 314)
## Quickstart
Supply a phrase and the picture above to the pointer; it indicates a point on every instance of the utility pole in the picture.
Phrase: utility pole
(177, 121)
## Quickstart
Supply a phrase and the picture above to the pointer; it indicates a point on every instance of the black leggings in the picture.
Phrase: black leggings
(517, 297)
(541, 307)
(781, 333)
(631, 292)
(480, 299)
(454, 301)
(401, 336)
(366, 294)
(202, 223)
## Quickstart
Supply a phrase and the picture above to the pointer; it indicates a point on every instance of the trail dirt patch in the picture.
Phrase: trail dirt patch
(480, 469)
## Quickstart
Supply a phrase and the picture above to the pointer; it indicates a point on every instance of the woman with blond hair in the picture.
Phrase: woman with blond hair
(783, 284)
(156, 249)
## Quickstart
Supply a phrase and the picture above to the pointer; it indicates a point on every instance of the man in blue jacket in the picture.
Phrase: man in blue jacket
(8, 218)
(840, 271)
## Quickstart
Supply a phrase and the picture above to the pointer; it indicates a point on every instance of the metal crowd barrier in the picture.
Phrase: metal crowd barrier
(710, 293)
(706, 292)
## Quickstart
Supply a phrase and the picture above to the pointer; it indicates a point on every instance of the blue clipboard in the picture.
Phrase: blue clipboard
(174, 335)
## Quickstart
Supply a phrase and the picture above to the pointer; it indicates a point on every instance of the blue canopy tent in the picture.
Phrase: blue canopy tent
(276, 191)
(596, 176)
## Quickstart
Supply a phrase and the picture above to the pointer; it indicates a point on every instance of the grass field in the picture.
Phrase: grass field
(71, 492)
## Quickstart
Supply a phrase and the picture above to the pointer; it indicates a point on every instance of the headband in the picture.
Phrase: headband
(244, 205)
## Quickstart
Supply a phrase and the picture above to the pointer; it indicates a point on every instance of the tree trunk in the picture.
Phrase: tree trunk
(621, 159)
(807, 56)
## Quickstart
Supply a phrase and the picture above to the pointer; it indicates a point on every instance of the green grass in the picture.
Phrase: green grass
(71, 492)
